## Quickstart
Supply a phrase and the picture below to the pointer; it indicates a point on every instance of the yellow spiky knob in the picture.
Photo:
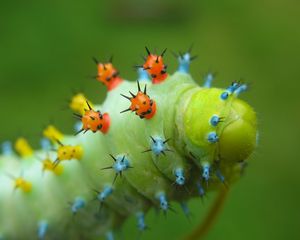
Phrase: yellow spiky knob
(23, 148)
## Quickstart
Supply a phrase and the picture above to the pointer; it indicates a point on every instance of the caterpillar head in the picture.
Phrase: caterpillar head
(219, 127)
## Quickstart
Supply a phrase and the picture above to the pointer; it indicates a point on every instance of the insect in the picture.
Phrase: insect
(141, 103)
(93, 120)
(192, 141)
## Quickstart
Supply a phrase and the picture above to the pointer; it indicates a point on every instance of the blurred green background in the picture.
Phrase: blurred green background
(46, 49)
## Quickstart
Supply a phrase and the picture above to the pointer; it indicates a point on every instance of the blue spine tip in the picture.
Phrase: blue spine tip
(109, 235)
(200, 189)
(121, 163)
(184, 63)
(107, 190)
(143, 75)
(212, 137)
(158, 145)
(42, 229)
(215, 119)
(235, 88)
(7, 148)
(141, 221)
(220, 176)
(45, 144)
(78, 204)
(208, 80)
(206, 172)
(163, 201)
(241, 88)
(179, 174)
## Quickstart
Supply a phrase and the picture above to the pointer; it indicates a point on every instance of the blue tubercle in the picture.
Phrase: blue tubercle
(184, 63)
(214, 120)
(78, 204)
(164, 205)
(45, 144)
(179, 174)
(208, 80)
(212, 137)
(206, 171)
(140, 216)
(109, 235)
(235, 88)
(224, 95)
(143, 75)
(241, 89)
(158, 145)
(42, 229)
(107, 190)
(121, 163)
(7, 148)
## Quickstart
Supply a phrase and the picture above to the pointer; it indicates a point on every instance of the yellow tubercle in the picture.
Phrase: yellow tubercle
(21, 183)
(52, 133)
(50, 166)
(67, 152)
(23, 148)
(78, 103)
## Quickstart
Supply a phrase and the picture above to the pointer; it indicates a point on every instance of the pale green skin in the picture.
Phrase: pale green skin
(184, 121)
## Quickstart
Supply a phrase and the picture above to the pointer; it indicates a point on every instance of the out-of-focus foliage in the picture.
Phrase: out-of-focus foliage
(46, 49)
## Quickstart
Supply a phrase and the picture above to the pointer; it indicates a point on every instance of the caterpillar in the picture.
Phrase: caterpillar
(119, 163)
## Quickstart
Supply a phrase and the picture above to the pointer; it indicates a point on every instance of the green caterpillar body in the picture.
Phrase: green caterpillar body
(179, 146)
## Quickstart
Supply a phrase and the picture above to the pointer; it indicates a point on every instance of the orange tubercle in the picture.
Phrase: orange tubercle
(141, 104)
(108, 75)
(155, 66)
(92, 120)
(95, 121)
